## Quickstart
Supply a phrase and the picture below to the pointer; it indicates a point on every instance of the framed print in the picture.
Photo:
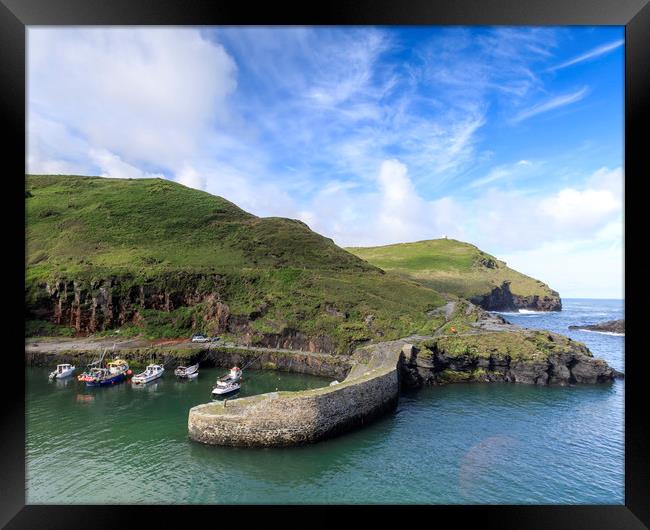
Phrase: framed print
(326, 260)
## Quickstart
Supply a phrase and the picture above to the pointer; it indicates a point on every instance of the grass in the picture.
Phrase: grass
(275, 273)
(517, 346)
(451, 266)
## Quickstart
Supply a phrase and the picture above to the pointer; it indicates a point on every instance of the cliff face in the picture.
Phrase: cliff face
(188, 302)
(502, 299)
(99, 305)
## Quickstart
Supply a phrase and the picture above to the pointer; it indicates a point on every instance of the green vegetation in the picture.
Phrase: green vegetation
(450, 266)
(516, 345)
(456, 376)
(276, 274)
(38, 328)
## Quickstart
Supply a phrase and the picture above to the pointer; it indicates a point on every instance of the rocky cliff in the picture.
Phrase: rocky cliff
(461, 269)
(508, 357)
(501, 298)
(182, 302)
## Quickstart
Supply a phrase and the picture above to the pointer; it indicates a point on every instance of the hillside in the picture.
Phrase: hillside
(153, 257)
(450, 266)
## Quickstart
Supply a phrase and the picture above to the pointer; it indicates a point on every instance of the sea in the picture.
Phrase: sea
(457, 444)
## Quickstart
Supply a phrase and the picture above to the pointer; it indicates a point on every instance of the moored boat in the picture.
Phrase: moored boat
(187, 372)
(62, 370)
(225, 387)
(153, 371)
(228, 383)
(115, 372)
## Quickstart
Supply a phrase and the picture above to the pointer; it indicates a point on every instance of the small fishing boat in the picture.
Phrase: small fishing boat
(151, 372)
(228, 383)
(116, 372)
(62, 370)
(187, 372)
(225, 387)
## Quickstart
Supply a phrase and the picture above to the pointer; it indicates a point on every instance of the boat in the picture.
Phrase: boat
(233, 375)
(225, 387)
(86, 376)
(151, 372)
(62, 370)
(187, 372)
(228, 383)
(115, 372)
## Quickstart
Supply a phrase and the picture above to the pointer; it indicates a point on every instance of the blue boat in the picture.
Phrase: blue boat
(116, 372)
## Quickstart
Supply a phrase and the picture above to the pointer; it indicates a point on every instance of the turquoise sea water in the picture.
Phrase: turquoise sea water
(458, 444)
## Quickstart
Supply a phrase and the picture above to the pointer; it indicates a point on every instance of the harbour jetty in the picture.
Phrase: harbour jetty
(290, 418)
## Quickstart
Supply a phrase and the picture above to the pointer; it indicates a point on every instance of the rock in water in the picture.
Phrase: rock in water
(610, 326)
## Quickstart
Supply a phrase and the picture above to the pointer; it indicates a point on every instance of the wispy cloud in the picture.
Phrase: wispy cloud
(554, 103)
(501, 172)
(591, 54)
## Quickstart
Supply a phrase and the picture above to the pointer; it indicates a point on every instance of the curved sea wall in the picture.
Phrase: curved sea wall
(289, 418)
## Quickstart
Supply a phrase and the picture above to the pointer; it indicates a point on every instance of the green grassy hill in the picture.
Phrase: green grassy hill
(451, 266)
(154, 257)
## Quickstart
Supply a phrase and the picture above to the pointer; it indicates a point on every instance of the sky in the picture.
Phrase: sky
(510, 138)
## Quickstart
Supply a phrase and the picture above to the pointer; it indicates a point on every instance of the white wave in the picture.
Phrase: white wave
(602, 332)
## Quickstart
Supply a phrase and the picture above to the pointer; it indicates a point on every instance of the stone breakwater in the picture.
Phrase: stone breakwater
(289, 418)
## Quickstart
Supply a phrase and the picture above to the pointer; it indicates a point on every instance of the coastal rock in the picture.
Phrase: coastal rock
(501, 298)
(610, 326)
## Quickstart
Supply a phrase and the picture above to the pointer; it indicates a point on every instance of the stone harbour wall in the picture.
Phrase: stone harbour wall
(290, 418)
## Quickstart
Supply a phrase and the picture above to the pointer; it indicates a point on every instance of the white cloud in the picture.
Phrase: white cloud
(502, 172)
(591, 54)
(191, 178)
(554, 103)
(113, 166)
(574, 208)
(390, 212)
(147, 95)
(579, 269)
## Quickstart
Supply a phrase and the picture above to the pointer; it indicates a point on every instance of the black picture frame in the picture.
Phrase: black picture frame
(16, 15)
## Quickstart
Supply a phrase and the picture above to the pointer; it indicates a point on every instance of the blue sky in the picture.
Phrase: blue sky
(510, 138)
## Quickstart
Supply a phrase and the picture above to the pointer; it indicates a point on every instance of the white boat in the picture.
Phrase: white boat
(228, 383)
(62, 370)
(225, 387)
(187, 372)
(234, 375)
(153, 371)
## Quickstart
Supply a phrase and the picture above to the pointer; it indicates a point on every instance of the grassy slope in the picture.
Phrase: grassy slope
(450, 266)
(91, 227)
